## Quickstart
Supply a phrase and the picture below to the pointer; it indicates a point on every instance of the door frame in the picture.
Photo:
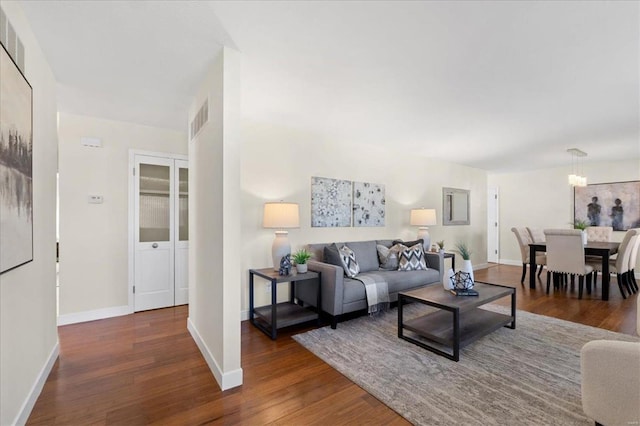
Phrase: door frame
(493, 229)
(131, 213)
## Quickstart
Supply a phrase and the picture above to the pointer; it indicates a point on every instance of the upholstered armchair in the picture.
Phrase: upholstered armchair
(611, 380)
(536, 234)
(524, 239)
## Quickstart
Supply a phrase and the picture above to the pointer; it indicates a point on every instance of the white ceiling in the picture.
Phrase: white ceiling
(496, 85)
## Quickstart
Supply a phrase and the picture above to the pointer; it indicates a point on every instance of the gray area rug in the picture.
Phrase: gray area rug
(530, 375)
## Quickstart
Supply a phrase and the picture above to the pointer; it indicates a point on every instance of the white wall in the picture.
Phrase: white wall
(278, 163)
(28, 334)
(544, 199)
(93, 237)
(214, 223)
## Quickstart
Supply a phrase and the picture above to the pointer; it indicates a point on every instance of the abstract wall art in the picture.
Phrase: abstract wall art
(368, 204)
(330, 202)
(16, 148)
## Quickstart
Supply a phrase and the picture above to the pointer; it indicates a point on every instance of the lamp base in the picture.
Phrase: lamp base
(280, 248)
(423, 232)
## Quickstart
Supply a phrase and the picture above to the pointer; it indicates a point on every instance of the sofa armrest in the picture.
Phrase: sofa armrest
(611, 381)
(331, 286)
(435, 261)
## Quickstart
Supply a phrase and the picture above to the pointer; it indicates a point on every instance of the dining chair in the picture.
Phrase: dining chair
(633, 260)
(536, 234)
(620, 265)
(524, 239)
(565, 255)
(599, 233)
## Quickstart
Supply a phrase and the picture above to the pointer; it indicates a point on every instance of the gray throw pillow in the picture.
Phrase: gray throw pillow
(349, 263)
(331, 255)
(388, 256)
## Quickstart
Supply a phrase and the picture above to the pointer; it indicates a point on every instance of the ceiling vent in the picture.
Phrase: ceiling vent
(201, 118)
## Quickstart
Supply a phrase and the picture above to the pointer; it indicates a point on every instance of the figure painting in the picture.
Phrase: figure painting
(609, 204)
(16, 148)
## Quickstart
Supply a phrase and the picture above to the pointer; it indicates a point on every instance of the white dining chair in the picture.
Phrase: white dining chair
(524, 240)
(620, 265)
(633, 261)
(565, 255)
(599, 233)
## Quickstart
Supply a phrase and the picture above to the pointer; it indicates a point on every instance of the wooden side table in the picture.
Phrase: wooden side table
(270, 318)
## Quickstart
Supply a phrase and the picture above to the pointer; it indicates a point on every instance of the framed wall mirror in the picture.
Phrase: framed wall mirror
(455, 206)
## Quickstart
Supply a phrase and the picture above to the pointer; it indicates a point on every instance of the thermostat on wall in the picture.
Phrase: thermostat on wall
(95, 199)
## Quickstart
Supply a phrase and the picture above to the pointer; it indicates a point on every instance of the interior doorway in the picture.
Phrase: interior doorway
(158, 230)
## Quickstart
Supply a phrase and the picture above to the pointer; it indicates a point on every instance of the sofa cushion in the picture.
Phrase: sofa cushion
(349, 262)
(412, 259)
(366, 254)
(386, 243)
(332, 255)
(396, 281)
(401, 281)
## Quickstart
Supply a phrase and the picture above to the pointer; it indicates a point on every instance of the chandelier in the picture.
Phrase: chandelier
(577, 178)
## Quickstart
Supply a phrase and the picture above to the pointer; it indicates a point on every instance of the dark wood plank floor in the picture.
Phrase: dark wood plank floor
(146, 369)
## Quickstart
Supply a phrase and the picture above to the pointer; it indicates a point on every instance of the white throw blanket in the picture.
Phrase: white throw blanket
(377, 292)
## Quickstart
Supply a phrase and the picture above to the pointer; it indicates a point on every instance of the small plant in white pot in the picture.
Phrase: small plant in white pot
(465, 252)
(300, 258)
(582, 225)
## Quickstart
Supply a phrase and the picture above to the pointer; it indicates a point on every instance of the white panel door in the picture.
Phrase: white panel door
(154, 231)
(181, 236)
(493, 230)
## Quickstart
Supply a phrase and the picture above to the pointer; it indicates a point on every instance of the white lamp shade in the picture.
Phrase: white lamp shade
(423, 217)
(281, 215)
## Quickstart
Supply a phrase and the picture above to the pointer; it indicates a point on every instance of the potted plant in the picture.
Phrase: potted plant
(300, 258)
(463, 249)
(582, 226)
(441, 245)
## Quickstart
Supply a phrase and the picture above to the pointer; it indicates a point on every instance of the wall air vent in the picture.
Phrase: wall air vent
(201, 118)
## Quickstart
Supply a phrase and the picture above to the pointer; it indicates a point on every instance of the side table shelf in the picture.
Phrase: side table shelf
(271, 317)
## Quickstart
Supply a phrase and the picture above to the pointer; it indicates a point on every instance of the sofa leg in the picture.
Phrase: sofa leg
(334, 322)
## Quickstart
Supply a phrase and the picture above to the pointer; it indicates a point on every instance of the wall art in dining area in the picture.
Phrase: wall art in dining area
(16, 148)
(330, 202)
(609, 204)
(368, 204)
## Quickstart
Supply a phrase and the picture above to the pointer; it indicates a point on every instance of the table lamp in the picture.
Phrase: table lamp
(423, 218)
(280, 216)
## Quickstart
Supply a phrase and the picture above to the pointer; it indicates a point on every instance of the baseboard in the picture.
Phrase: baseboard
(225, 380)
(36, 389)
(96, 314)
(244, 315)
(480, 266)
(510, 262)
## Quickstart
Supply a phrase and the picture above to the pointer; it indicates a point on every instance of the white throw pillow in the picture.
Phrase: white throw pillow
(349, 263)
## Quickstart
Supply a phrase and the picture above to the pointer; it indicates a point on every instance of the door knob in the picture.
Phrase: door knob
(154, 245)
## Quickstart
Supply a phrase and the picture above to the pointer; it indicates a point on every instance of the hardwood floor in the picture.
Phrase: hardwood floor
(145, 369)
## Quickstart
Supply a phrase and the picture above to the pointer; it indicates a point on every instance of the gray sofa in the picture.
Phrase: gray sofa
(341, 295)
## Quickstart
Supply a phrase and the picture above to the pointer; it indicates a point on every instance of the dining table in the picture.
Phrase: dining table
(592, 248)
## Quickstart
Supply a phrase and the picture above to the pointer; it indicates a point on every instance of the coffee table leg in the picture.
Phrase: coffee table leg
(400, 300)
(513, 311)
(456, 335)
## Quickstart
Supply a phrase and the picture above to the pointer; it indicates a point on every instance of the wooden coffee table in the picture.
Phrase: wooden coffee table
(458, 320)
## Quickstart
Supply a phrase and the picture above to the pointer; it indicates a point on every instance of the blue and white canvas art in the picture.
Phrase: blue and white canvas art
(368, 204)
(330, 202)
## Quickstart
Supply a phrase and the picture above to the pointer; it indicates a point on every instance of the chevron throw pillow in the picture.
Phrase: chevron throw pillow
(412, 259)
(349, 263)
